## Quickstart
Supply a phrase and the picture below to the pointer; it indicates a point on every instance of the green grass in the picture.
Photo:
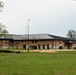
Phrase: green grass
(62, 63)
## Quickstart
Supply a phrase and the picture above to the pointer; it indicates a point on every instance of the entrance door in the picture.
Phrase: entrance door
(48, 47)
(24, 46)
(43, 46)
(38, 46)
(68, 45)
(34, 47)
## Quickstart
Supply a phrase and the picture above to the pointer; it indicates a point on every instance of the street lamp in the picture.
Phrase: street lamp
(25, 31)
(28, 35)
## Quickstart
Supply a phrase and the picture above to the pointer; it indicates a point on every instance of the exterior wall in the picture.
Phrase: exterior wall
(74, 45)
(1, 43)
(53, 44)
(58, 44)
(45, 44)
(4, 44)
(37, 43)
(17, 44)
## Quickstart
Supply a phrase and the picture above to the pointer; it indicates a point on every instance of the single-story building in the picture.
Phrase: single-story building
(36, 41)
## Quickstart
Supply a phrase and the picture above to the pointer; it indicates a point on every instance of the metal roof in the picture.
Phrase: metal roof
(38, 36)
(34, 37)
(60, 38)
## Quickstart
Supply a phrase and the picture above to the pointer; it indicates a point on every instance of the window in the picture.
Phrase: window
(48, 47)
(38, 46)
(24, 46)
(20, 41)
(6, 42)
(43, 46)
(16, 42)
(60, 42)
(34, 41)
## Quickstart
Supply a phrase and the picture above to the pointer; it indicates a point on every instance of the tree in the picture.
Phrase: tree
(71, 34)
(3, 30)
(1, 5)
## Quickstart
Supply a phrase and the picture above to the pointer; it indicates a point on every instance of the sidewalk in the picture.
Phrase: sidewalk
(48, 51)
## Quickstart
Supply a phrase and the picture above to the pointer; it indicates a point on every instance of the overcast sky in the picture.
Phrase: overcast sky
(47, 16)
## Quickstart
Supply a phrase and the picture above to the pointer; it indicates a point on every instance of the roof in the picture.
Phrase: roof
(34, 37)
(60, 38)
(38, 37)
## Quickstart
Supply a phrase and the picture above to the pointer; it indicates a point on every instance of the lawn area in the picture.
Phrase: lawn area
(34, 63)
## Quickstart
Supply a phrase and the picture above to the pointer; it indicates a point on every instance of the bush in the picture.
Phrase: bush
(9, 51)
(6, 51)
(74, 47)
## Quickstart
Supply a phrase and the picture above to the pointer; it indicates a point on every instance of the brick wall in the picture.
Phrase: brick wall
(52, 44)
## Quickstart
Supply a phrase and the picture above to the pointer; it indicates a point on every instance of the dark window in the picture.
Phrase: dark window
(35, 41)
(38, 46)
(20, 41)
(32, 41)
(16, 42)
(6, 42)
(34, 47)
(24, 46)
(48, 47)
(43, 46)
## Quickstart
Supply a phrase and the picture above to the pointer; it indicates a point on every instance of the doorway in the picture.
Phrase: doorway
(24, 46)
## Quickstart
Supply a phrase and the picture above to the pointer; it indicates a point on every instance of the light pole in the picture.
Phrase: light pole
(25, 38)
(28, 35)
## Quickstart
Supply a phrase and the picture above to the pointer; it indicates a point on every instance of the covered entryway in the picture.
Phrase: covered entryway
(24, 46)
(68, 44)
(34, 47)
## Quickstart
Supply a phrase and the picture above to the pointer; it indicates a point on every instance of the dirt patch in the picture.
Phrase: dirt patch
(48, 51)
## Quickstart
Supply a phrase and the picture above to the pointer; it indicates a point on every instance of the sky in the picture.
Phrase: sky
(54, 17)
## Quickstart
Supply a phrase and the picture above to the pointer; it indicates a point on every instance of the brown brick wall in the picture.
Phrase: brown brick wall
(53, 43)
(6, 43)
(31, 43)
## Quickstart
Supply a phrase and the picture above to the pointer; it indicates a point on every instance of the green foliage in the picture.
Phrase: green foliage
(3, 30)
(62, 63)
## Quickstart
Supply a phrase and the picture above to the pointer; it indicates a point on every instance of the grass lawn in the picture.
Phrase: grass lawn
(61, 63)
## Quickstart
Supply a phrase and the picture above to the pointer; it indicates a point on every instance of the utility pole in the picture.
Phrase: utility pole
(28, 35)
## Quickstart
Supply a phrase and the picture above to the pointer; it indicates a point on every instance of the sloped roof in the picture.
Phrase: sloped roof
(38, 36)
(18, 37)
(6, 36)
(60, 38)
(34, 37)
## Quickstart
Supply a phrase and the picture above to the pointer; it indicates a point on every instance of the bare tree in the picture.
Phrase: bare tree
(1, 5)
(71, 34)
(3, 30)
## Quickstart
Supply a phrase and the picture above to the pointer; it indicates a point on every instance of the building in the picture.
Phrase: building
(36, 41)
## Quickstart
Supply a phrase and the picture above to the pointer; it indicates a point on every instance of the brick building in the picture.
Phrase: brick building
(36, 41)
